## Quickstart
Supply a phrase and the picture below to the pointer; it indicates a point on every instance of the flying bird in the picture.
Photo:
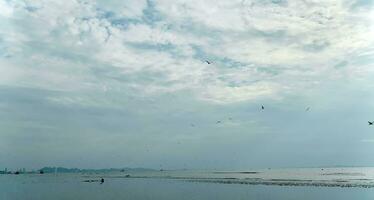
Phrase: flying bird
(262, 107)
(218, 122)
(307, 109)
(207, 61)
(371, 123)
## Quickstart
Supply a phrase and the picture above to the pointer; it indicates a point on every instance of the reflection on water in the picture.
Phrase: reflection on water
(165, 185)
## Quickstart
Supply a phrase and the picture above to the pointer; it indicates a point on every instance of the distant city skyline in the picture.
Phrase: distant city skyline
(186, 84)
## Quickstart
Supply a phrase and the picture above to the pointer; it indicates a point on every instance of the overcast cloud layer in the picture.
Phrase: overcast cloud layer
(113, 83)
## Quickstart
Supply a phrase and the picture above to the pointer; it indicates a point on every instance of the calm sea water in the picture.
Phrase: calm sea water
(71, 186)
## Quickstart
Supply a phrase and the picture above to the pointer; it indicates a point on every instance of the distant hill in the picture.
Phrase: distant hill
(77, 170)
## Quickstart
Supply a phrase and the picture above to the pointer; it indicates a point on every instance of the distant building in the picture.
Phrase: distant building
(5, 171)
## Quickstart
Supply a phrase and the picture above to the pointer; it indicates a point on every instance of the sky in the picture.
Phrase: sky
(125, 83)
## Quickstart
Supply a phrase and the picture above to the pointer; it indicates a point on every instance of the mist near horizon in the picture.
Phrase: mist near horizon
(186, 84)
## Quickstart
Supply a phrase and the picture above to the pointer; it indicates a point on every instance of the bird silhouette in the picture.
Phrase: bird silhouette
(371, 123)
(307, 109)
(218, 122)
(207, 61)
(262, 107)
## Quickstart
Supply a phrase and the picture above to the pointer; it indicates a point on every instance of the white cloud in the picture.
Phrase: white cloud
(288, 45)
(368, 140)
(224, 94)
(5, 9)
(127, 8)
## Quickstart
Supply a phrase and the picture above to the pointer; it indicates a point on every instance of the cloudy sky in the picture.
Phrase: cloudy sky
(113, 83)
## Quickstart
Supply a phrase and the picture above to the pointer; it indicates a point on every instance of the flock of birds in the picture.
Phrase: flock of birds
(263, 108)
(371, 123)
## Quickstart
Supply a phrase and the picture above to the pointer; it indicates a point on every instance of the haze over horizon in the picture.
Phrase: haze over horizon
(110, 83)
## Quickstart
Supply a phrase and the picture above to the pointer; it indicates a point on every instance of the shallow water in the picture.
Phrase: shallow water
(317, 177)
(164, 186)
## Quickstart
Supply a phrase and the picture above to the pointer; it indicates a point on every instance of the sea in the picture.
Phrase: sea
(256, 184)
